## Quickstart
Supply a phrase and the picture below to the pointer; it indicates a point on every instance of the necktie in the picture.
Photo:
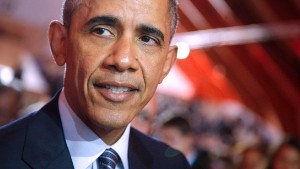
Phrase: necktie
(108, 159)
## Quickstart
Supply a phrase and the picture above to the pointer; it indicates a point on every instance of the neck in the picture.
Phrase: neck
(109, 136)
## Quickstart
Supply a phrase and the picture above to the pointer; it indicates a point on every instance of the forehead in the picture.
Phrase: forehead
(130, 12)
(159, 6)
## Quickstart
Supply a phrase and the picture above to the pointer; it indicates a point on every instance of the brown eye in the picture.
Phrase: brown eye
(149, 40)
(102, 31)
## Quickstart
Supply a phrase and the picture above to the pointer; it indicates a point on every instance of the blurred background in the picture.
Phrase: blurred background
(238, 87)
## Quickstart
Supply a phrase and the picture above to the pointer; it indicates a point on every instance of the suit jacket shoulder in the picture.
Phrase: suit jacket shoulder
(12, 138)
(35, 141)
(147, 153)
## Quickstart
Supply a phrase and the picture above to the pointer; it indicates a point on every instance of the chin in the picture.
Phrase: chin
(112, 122)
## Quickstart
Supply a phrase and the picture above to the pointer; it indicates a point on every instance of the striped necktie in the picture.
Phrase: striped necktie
(108, 159)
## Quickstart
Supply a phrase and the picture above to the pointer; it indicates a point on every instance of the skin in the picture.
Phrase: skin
(287, 158)
(182, 142)
(115, 52)
(252, 159)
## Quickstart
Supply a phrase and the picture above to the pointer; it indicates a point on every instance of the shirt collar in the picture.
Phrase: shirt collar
(83, 144)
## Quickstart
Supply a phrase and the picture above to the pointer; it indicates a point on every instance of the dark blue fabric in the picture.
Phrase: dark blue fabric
(37, 142)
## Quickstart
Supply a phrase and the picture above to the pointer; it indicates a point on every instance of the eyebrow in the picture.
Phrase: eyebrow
(152, 30)
(106, 19)
(112, 20)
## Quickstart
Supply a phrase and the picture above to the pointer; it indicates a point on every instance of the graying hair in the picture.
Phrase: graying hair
(70, 6)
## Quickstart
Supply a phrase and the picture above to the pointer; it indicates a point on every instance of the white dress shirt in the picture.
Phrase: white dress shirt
(83, 144)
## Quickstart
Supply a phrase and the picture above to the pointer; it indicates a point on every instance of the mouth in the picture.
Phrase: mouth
(117, 89)
(116, 92)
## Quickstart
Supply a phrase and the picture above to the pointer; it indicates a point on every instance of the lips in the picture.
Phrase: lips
(116, 92)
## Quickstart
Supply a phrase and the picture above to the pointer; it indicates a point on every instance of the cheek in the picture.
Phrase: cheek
(152, 68)
(86, 59)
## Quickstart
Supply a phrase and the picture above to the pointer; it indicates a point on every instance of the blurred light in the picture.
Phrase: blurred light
(32, 78)
(177, 84)
(6, 75)
(238, 35)
(183, 50)
(194, 15)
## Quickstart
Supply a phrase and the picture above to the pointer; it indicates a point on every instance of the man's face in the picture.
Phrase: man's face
(173, 137)
(116, 52)
(287, 158)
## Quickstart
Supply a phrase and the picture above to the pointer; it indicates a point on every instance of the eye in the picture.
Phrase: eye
(149, 40)
(102, 31)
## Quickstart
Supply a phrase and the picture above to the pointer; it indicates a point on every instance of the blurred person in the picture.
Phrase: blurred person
(9, 104)
(10, 93)
(21, 80)
(178, 133)
(286, 156)
(144, 120)
(253, 157)
(115, 54)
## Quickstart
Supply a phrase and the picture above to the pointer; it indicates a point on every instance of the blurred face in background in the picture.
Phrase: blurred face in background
(252, 158)
(183, 142)
(145, 119)
(287, 158)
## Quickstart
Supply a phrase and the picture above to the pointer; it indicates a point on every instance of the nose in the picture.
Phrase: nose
(123, 56)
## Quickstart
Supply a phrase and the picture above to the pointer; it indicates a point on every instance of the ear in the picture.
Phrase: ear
(57, 39)
(170, 61)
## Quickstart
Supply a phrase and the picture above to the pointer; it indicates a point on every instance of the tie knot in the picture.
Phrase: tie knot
(108, 159)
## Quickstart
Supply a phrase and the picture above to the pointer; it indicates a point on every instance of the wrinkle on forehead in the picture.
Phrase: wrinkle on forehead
(129, 5)
(139, 9)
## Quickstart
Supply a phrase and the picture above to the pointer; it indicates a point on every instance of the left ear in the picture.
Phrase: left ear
(170, 61)
(57, 39)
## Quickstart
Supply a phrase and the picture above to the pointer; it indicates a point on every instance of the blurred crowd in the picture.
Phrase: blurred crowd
(211, 134)
(27, 81)
(218, 135)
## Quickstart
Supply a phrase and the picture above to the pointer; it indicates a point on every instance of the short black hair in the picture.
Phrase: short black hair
(179, 122)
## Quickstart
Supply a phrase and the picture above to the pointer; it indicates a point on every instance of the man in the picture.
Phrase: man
(286, 155)
(178, 133)
(252, 157)
(115, 54)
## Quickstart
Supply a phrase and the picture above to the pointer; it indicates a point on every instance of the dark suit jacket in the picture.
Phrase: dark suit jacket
(202, 160)
(37, 141)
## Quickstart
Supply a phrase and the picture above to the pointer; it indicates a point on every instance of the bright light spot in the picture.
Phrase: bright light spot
(177, 84)
(183, 50)
(238, 35)
(6, 75)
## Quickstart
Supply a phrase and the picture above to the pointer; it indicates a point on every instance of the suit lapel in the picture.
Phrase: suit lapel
(45, 145)
(138, 156)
